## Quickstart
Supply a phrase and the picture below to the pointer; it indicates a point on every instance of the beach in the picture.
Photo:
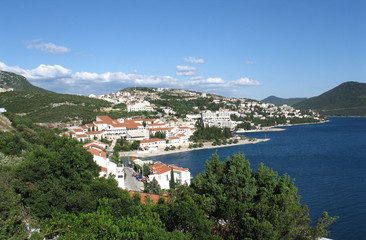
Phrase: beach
(262, 130)
(207, 145)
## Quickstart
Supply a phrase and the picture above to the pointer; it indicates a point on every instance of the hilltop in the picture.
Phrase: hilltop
(281, 101)
(9, 80)
(347, 99)
(51, 107)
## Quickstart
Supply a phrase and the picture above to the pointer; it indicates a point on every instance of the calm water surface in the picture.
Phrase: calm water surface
(327, 161)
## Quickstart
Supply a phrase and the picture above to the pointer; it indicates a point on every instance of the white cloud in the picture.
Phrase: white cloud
(49, 47)
(194, 60)
(59, 79)
(246, 82)
(249, 62)
(185, 73)
(47, 72)
(185, 70)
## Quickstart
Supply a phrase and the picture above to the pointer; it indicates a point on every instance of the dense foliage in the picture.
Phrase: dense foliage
(51, 183)
(203, 133)
(52, 107)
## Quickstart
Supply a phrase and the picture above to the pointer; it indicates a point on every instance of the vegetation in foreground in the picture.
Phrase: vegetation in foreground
(51, 183)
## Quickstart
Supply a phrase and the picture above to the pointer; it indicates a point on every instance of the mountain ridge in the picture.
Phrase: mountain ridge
(281, 101)
(347, 99)
(17, 82)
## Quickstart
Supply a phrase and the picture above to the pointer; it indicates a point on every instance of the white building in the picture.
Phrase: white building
(107, 167)
(162, 173)
(152, 144)
(139, 106)
(219, 118)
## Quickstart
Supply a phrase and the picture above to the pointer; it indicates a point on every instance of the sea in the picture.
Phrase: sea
(327, 162)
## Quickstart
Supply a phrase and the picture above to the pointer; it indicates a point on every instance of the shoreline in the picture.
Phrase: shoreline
(279, 127)
(263, 130)
(207, 145)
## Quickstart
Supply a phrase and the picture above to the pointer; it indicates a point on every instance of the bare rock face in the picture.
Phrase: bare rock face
(5, 124)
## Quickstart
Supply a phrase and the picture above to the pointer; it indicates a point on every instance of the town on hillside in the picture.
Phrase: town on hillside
(183, 120)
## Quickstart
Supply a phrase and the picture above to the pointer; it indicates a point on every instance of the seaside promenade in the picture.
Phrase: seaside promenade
(207, 145)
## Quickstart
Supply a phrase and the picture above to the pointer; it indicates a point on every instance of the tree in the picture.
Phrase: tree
(253, 206)
(186, 214)
(12, 214)
(172, 180)
(146, 169)
(154, 187)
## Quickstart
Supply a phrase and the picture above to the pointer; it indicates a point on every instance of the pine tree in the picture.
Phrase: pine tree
(172, 180)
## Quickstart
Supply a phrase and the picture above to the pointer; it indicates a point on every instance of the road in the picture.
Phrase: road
(131, 182)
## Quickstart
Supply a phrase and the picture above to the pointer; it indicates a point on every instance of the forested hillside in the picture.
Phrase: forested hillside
(347, 99)
(51, 107)
(281, 101)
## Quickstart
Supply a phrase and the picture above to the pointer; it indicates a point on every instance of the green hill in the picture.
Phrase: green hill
(17, 82)
(51, 107)
(347, 99)
(281, 101)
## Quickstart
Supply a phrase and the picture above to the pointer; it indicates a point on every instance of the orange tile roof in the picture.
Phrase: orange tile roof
(174, 138)
(94, 132)
(161, 129)
(96, 142)
(157, 124)
(159, 168)
(104, 169)
(105, 119)
(97, 152)
(81, 135)
(77, 130)
(153, 197)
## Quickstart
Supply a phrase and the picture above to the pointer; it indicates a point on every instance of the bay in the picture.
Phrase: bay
(327, 161)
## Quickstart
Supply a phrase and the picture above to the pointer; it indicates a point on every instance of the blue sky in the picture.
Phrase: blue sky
(241, 48)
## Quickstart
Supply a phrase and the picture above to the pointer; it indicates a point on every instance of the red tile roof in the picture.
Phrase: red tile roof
(94, 132)
(159, 168)
(161, 129)
(153, 197)
(97, 152)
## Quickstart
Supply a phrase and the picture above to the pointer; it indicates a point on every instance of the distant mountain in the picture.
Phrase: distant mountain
(281, 101)
(17, 82)
(347, 99)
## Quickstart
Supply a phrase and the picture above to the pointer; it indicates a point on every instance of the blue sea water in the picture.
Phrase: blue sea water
(327, 161)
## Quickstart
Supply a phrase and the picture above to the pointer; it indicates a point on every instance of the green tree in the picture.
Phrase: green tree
(12, 214)
(186, 214)
(154, 187)
(172, 180)
(254, 206)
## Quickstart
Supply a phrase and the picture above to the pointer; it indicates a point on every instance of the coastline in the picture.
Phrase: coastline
(207, 145)
(279, 127)
(263, 130)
